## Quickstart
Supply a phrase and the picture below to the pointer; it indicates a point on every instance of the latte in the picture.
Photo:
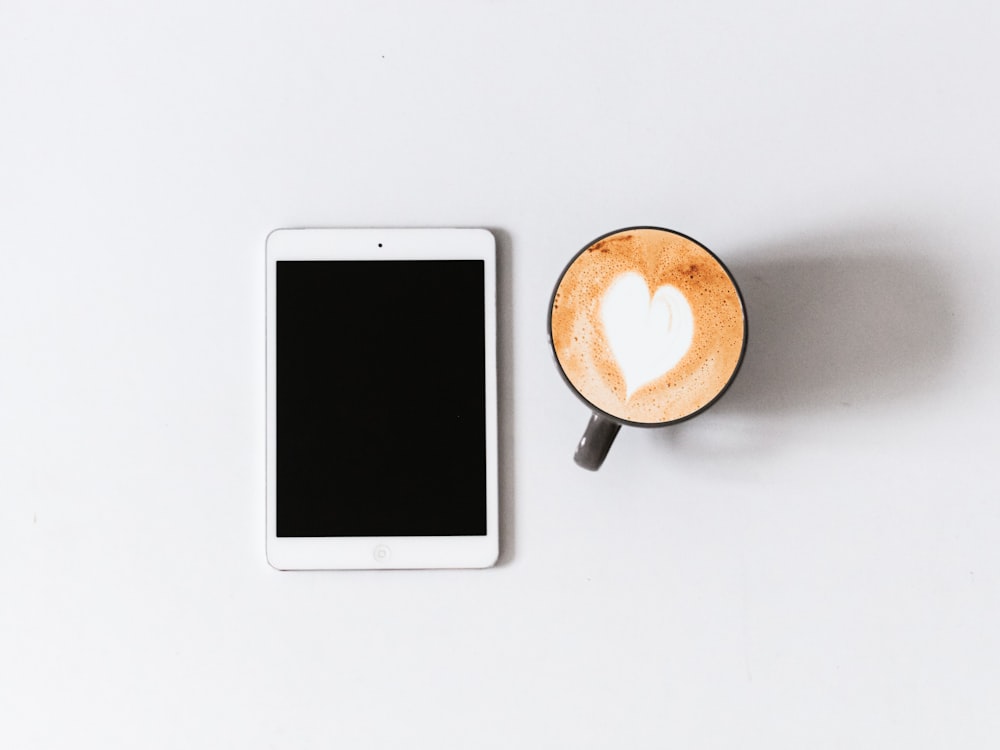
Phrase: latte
(647, 325)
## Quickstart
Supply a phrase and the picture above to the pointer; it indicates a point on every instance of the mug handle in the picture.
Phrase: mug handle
(596, 442)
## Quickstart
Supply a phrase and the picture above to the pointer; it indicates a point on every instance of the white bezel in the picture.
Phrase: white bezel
(337, 553)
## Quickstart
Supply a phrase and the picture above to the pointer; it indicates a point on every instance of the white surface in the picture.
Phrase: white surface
(812, 563)
(367, 553)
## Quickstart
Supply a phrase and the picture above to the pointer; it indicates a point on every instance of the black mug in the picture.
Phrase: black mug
(648, 328)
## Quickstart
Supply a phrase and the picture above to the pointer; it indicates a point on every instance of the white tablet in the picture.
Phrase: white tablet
(381, 398)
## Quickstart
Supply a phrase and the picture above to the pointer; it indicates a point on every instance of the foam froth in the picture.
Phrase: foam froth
(647, 335)
(647, 325)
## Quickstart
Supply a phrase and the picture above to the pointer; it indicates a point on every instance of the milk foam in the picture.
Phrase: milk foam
(648, 336)
(689, 339)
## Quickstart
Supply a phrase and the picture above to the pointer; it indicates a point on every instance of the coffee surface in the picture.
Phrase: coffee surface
(647, 325)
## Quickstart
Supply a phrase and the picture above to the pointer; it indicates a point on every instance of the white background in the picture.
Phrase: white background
(813, 563)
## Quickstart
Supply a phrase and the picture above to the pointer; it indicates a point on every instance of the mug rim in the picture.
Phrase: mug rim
(601, 412)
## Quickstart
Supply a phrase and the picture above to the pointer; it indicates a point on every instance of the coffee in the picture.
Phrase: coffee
(647, 325)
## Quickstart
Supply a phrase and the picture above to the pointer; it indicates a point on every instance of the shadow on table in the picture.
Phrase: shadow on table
(505, 393)
(837, 321)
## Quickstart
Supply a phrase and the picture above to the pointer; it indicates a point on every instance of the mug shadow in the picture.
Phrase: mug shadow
(837, 321)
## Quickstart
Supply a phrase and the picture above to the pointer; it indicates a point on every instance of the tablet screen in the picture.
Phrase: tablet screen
(381, 398)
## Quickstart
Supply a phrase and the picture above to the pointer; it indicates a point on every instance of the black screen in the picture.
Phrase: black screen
(381, 399)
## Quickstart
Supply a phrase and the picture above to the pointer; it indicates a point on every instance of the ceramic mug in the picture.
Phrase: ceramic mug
(648, 328)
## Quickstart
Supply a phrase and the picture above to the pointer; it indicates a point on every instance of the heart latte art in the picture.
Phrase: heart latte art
(647, 325)
(647, 336)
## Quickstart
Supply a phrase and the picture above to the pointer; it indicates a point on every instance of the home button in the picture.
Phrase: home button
(381, 553)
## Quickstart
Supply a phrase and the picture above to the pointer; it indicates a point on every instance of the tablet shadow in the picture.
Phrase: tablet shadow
(505, 394)
(836, 321)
